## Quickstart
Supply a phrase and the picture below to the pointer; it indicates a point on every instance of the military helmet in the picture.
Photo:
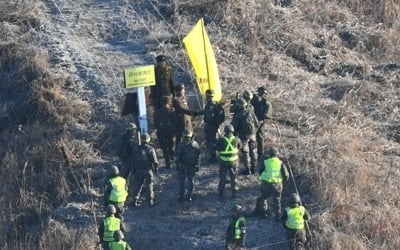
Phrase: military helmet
(247, 95)
(131, 126)
(295, 198)
(110, 209)
(261, 90)
(241, 103)
(145, 137)
(165, 100)
(237, 208)
(161, 58)
(273, 152)
(118, 235)
(229, 129)
(210, 92)
(179, 87)
(114, 170)
(187, 133)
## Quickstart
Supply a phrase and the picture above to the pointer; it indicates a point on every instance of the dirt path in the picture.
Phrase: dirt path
(92, 41)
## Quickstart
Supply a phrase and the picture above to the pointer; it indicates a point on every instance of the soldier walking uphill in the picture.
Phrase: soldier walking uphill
(127, 146)
(273, 173)
(108, 226)
(119, 243)
(245, 124)
(228, 148)
(263, 111)
(146, 166)
(116, 191)
(214, 116)
(183, 113)
(188, 162)
(294, 220)
(164, 83)
(165, 120)
(236, 233)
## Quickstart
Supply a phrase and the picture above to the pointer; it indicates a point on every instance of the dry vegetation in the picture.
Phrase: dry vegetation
(333, 74)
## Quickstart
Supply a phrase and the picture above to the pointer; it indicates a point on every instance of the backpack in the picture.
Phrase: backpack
(249, 124)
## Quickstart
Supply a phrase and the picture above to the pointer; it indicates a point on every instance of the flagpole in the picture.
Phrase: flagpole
(205, 52)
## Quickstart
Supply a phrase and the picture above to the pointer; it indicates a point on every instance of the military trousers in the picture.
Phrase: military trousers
(268, 190)
(183, 176)
(143, 179)
(166, 141)
(296, 237)
(260, 138)
(249, 153)
(225, 168)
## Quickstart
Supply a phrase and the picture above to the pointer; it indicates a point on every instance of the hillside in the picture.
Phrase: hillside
(332, 71)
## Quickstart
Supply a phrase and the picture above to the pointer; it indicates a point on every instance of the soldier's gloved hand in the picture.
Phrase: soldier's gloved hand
(196, 168)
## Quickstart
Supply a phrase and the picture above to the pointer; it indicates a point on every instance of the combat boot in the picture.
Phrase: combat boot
(151, 203)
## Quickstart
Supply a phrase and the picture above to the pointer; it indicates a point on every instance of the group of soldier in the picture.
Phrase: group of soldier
(243, 138)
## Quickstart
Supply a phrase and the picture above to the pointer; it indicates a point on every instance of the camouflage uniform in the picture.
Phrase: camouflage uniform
(236, 232)
(214, 115)
(127, 146)
(107, 196)
(147, 163)
(263, 111)
(164, 82)
(101, 230)
(188, 162)
(247, 137)
(165, 119)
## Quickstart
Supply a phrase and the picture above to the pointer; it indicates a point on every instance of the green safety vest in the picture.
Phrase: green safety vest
(295, 218)
(238, 231)
(230, 153)
(118, 192)
(272, 172)
(117, 245)
(111, 224)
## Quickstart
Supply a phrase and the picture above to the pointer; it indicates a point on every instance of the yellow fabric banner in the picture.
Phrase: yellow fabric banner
(201, 54)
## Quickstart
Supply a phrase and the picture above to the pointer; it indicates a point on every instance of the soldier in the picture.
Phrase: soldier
(294, 220)
(236, 233)
(245, 125)
(228, 148)
(108, 226)
(147, 165)
(188, 162)
(119, 243)
(164, 82)
(183, 113)
(116, 191)
(214, 116)
(263, 111)
(273, 173)
(126, 148)
(165, 120)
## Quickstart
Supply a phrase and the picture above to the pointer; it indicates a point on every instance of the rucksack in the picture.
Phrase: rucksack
(249, 124)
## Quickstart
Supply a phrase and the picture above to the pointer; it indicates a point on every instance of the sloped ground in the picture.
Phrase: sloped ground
(332, 72)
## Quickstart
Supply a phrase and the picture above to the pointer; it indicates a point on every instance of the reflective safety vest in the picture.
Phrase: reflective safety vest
(230, 153)
(117, 245)
(118, 192)
(111, 224)
(272, 172)
(295, 218)
(238, 230)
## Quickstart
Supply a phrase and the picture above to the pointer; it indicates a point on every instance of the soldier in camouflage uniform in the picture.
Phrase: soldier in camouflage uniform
(127, 146)
(214, 116)
(165, 120)
(146, 167)
(236, 232)
(263, 111)
(164, 82)
(245, 124)
(188, 162)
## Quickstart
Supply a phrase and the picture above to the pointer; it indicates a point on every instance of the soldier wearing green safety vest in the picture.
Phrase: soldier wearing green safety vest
(228, 147)
(116, 191)
(119, 243)
(294, 219)
(108, 226)
(273, 173)
(236, 233)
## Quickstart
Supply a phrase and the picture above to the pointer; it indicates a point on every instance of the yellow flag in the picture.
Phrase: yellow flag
(201, 54)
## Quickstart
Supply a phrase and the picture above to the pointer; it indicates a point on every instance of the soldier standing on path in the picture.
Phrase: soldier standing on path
(108, 226)
(273, 173)
(127, 147)
(263, 111)
(188, 162)
(183, 113)
(214, 116)
(294, 220)
(245, 124)
(228, 148)
(165, 120)
(164, 82)
(147, 166)
(119, 243)
(116, 191)
(236, 233)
